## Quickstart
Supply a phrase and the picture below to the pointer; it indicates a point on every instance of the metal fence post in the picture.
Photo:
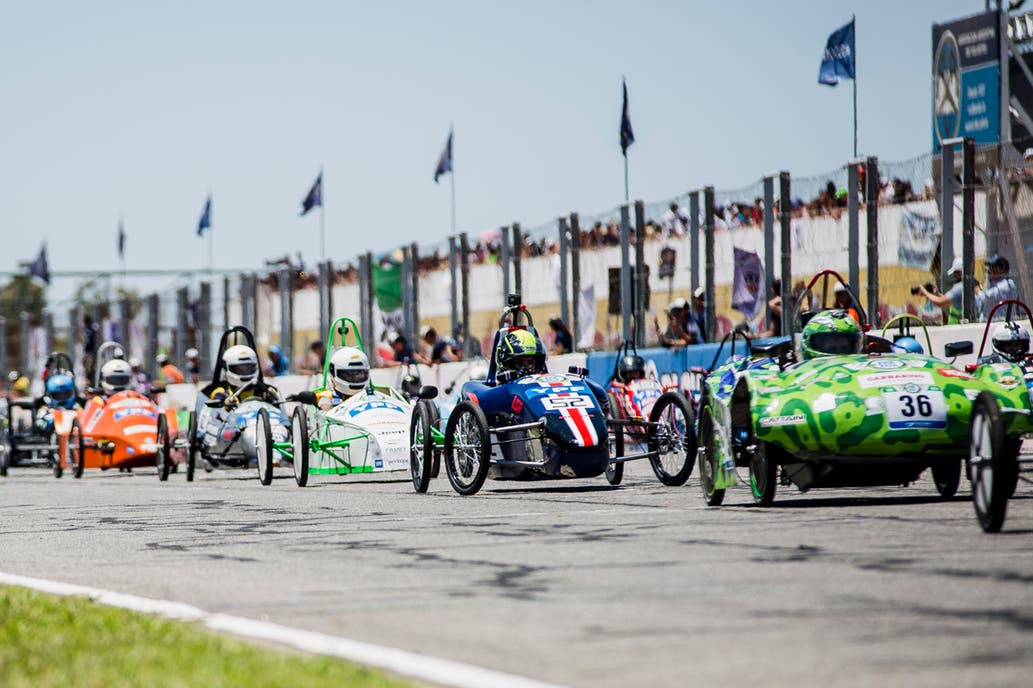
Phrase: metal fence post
(453, 270)
(125, 317)
(769, 244)
(785, 215)
(26, 357)
(853, 210)
(408, 327)
(518, 253)
(871, 175)
(283, 279)
(153, 327)
(710, 308)
(575, 278)
(464, 263)
(693, 240)
(329, 299)
(225, 303)
(625, 276)
(947, 213)
(365, 291)
(321, 282)
(48, 331)
(968, 223)
(179, 338)
(504, 249)
(3, 346)
(563, 246)
(203, 339)
(414, 288)
(641, 281)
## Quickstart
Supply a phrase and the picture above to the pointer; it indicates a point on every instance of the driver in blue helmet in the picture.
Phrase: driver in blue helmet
(60, 392)
(907, 345)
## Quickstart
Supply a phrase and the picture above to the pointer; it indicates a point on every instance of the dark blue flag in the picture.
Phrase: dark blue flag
(838, 62)
(314, 198)
(39, 268)
(206, 217)
(445, 161)
(121, 241)
(627, 135)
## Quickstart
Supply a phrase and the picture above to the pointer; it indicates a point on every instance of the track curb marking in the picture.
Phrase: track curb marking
(444, 672)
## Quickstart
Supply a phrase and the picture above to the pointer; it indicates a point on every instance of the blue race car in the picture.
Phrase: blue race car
(523, 423)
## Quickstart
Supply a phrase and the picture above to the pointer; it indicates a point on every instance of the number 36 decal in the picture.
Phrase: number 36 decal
(555, 403)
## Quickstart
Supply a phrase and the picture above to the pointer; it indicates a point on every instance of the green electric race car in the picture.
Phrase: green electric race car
(853, 409)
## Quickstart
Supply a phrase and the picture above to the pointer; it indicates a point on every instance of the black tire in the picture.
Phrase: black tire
(707, 457)
(947, 477)
(763, 474)
(76, 450)
(467, 448)
(421, 446)
(615, 471)
(435, 422)
(1012, 447)
(672, 438)
(5, 452)
(57, 463)
(264, 447)
(990, 463)
(161, 454)
(299, 445)
(192, 447)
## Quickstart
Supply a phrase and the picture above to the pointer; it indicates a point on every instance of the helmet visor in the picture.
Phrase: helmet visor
(1013, 348)
(522, 364)
(836, 343)
(243, 370)
(117, 380)
(62, 395)
(353, 375)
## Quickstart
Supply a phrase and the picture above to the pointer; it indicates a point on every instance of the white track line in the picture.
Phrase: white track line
(422, 667)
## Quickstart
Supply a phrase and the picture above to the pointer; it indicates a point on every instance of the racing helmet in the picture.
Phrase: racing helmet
(241, 364)
(831, 333)
(521, 352)
(349, 370)
(115, 376)
(908, 345)
(61, 390)
(1011, 340)
(631, 367)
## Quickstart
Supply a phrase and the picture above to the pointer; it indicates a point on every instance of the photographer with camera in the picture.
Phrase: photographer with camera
(949, 302)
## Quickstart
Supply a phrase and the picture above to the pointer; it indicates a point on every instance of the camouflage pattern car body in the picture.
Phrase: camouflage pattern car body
(1012, 384)
(871, 409)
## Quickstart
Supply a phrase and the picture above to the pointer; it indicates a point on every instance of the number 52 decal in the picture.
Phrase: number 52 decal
(555, 403)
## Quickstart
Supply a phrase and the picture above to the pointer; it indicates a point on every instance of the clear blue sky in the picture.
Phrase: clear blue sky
(138, 109)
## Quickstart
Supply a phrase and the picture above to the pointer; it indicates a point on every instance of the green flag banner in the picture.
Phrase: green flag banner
(387, 286)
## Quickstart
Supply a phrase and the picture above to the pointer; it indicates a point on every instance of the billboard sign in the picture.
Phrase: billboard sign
(967, 80)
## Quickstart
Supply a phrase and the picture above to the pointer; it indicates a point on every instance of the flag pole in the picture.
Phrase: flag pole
(209, 237)
(625, 177)
(322, 217)
(853, 20)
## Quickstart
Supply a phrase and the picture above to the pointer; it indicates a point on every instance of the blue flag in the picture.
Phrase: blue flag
(314, 198)
(627, 135)
(206, 217)
(445, 160)
(39, 268)
(838, 62)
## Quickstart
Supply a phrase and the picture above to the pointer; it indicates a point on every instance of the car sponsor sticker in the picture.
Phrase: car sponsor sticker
(119, 415)
(908, 410)
(778, 421)
(373, 405)
(896, 378)
(555, 402)
(885, 364)
(953, 372)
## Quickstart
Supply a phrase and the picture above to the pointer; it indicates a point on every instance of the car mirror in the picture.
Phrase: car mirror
(306, 397)
(428, 392)
(955, 349)
(578, 370)
(158, 389)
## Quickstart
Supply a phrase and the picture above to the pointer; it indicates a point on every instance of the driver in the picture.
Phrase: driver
(631, 367)
(240, 363)
(831, 333)
(60, 392)
(1011, 341)
(349, 375)
(115, 376)
(520, 353)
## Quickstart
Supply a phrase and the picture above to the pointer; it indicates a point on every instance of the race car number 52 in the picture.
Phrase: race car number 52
(925, 409)
(554, 403)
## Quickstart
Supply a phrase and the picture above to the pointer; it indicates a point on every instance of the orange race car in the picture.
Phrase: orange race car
(118, 427)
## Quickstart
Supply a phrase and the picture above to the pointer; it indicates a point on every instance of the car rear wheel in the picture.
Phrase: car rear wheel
(763, 474)
(615, 471)
(161, 455)
(264, 447)
(5, 452)
(990, 464)
(467, 448)
(76, 450)
(947, 476)
(421, 446)
(707, 458)
(299, 446)
(672, 438)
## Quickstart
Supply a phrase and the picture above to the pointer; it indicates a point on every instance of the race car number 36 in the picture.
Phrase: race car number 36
(923, 409)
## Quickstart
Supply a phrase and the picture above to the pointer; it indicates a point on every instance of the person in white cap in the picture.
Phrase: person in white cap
(951, 301)
(697, 320)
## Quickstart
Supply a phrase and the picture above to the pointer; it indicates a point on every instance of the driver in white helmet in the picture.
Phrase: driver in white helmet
(241, 378)
(348, 373)
(1011, 343)
(115, 376)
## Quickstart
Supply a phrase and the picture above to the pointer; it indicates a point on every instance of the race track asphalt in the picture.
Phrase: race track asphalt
(571, 582)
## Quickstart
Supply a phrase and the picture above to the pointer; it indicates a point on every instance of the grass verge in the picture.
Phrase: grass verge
(49, 640)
